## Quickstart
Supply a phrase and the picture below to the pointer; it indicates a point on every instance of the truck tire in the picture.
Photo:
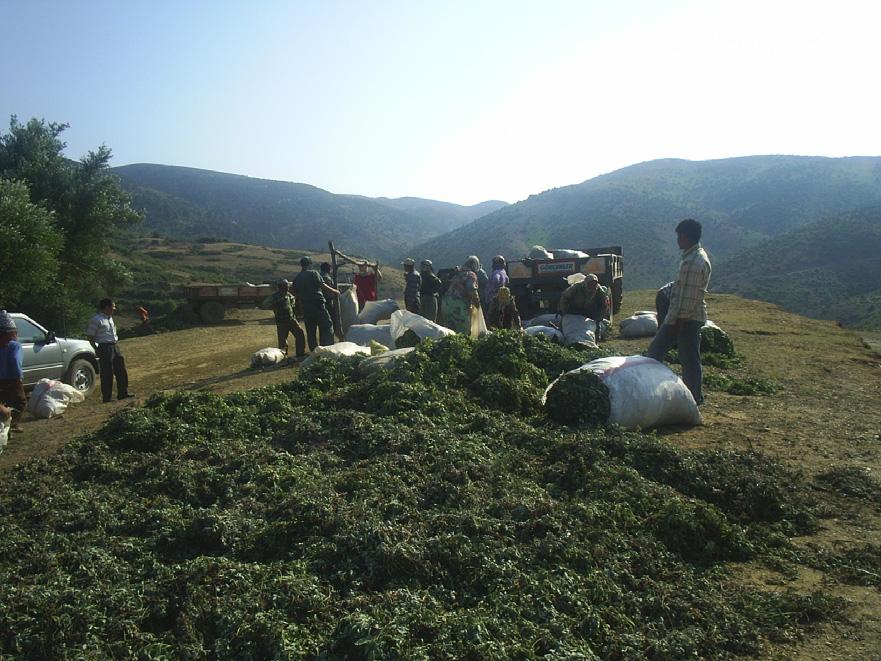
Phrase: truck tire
(212, 312)
(81, 376)
(189, 313)
(617, 295)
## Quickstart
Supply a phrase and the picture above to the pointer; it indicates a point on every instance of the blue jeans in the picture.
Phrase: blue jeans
(689, 342)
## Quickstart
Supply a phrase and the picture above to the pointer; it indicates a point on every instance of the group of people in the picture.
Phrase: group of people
(470, 290)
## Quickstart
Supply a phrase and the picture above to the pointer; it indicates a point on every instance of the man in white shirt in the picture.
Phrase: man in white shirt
(101, 332)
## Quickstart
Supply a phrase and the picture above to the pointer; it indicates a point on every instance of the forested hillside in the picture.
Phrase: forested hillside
(830, 269)
(741, 201)
(443, 216)
(190, 203)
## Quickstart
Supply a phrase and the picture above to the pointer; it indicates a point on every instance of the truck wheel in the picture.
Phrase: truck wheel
(617, 296)
(212, 312)
(81, 376)
(189, 313)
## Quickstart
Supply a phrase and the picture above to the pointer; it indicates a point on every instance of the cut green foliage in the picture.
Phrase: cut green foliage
(746, 386)
(852, 481)
(424, 511)
(579, 399)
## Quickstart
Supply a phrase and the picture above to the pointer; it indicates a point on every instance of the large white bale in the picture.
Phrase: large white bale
(348, 308)
(266, 357)
(403, 320)
(578, 329)
(363, 334)
(639, 325)
(644, 393)
(51, 398)
(376, 311)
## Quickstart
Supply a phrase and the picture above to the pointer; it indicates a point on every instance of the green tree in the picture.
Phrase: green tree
(29, 244)
(88, 205)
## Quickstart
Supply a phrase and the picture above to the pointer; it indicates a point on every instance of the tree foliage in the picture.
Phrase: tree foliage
(30, 246)
(87, 206)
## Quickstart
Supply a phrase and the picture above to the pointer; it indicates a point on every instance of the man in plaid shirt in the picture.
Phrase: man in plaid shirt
(688, 311)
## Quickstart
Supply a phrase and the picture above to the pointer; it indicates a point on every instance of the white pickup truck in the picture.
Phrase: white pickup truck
(46, 356)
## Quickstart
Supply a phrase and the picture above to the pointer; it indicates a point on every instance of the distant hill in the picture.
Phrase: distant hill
(828, 270)
(190, 203)
(740, 201)
(443, 216)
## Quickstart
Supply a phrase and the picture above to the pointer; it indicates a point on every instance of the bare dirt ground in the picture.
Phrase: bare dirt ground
(827, 413)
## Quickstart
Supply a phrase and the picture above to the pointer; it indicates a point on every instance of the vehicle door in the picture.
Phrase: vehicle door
(41, 358)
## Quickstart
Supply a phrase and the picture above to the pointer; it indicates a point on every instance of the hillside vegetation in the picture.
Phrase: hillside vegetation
(829, 270)
(740, 201)
(189, 203)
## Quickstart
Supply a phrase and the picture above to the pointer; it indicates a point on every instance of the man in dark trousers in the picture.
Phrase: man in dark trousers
(412, 286)
(310, 290)
(282, 305)
(101, 332)
(687, 312)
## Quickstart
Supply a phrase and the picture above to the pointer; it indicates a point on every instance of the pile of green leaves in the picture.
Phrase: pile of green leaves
(715, 340)
(391, 516)
(745, 386)
(579, 398)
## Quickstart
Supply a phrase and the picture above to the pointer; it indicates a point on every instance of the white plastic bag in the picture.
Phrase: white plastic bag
(363, 333)
(538, 252)
(639, 325)
(51, 398)
(563, 253)
(348, 308)
(267, 356)
(334, 351)
(542, 320)
(551, 333)
(643, 392)
(578, 329)
(478, 322)
(375, 311)
(4, 433)
(403, 320)
(383, 361)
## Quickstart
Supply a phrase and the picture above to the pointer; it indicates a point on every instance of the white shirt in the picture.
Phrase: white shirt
(102, 329)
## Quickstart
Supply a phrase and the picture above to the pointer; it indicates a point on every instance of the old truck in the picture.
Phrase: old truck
(537, 284)
(209, 303)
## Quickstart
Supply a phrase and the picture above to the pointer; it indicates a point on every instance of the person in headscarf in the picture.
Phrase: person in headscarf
(497, 280)
(503, 312)
(482, 283)
(412, 286)
(461, 297)
(366, 283)
(11, 375)
(430, 287)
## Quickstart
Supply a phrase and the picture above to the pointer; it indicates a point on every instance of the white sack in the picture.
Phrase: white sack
(383, 361)
(334, 351)
(578, 329)
(645, 312)
(363, 333)
(541, 320)
(551, 333)
(404, 320)
(4, 433)
(575, 278)
(478, 322)
(348, 308)
(639, 325)
(644, 393)
(562, 253)
(267, 356)
(538, 252)
(51, 398)
(375, 311)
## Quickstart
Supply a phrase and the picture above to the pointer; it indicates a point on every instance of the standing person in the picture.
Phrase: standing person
(497, 280)
(503, 311)
(310, 290)
(11, 375)
(461, 297)
(482, 283)
(282, 303)
(101, 332)
(430, 287)
(412, 286)
(331, 301)
(366, 283)
(687, 312)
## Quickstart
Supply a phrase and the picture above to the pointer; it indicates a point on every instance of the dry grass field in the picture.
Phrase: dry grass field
(825, 414)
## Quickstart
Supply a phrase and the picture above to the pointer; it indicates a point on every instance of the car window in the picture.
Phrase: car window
(27, 332)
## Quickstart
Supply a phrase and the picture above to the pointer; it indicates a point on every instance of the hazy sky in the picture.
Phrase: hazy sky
(458, 101)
